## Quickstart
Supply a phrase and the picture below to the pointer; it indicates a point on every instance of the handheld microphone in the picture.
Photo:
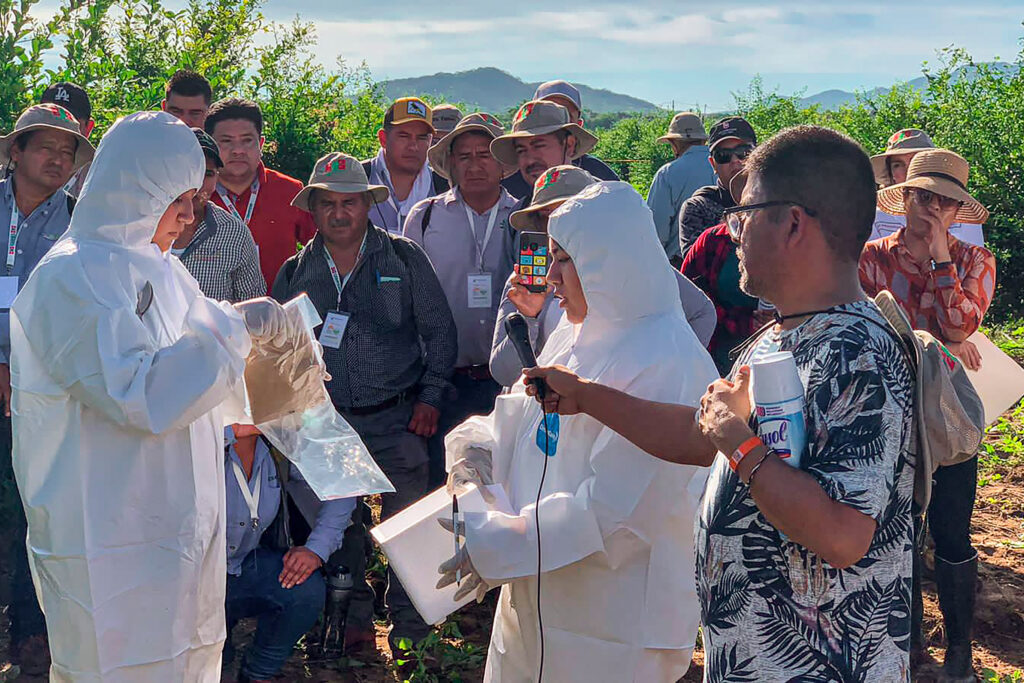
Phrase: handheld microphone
(519, 334)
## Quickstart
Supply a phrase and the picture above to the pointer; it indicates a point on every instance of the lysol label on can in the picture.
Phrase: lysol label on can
(781, 428)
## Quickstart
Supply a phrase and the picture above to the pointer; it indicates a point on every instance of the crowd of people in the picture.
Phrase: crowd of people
(650, 317)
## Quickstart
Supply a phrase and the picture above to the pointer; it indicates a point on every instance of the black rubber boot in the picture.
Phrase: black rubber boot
(956, 587)
(919, 656)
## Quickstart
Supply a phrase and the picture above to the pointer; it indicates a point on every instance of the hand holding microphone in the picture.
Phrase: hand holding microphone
(519, 334)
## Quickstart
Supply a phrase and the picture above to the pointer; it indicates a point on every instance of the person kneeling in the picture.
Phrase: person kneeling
(284, 589)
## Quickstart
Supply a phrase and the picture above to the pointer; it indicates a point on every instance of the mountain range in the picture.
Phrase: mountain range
(496, 91)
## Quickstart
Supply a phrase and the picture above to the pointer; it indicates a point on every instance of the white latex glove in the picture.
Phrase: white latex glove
(471, 580)
(266, 320)
(474, 467)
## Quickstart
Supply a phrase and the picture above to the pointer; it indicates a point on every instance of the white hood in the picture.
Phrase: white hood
(144, 162)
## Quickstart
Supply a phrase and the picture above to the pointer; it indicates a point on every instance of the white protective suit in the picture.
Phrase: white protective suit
(118, 440)
(618, 595)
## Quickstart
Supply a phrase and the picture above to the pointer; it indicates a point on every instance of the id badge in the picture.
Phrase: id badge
(8, 290)
(333, 330)
(478, 290)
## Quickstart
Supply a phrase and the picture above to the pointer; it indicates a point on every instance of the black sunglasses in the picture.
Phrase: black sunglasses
(736, 216)
(724, 156)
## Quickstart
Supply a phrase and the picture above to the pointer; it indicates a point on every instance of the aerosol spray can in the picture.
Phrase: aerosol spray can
(779, 405)
(339, 594)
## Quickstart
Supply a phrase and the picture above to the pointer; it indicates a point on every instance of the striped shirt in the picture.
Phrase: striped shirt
(400, 335)
(223, 259)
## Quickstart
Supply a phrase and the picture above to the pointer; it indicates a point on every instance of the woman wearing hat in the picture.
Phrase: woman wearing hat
(890, 168)
(946, 286)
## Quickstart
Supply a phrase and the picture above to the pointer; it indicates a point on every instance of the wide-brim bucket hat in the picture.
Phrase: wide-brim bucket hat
(685, 127)
(337, 172)
(906, 141)
(540, 117)
(49, 117)
(942, 172)
(439, 155)
(552, 188)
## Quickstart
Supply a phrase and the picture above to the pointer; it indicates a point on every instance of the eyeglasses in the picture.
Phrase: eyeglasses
(736, 216)
(925, 197)
(724, 156)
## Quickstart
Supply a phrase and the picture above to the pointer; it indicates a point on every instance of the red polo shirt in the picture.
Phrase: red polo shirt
(277, 227)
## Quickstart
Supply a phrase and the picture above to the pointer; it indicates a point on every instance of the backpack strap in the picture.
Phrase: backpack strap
(425, 221)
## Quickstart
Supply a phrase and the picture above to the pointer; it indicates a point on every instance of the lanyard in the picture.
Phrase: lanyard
(480, 249)
(252, 500)
(12, 236)
(253, 193)
(340, 282)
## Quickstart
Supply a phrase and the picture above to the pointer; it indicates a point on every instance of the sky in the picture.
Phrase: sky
(689, 53)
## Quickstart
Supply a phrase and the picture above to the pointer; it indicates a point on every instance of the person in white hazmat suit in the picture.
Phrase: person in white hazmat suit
(119, 368)
(616, 525)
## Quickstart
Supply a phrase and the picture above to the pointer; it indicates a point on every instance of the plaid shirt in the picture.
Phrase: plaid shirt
(222, 257)
(949, 301)
(401, 333)
(712, 265)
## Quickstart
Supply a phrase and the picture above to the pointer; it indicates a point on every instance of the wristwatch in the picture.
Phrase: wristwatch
(940, 264)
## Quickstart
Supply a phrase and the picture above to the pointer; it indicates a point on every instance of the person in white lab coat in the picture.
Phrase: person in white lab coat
(119, 368)
(616, 525)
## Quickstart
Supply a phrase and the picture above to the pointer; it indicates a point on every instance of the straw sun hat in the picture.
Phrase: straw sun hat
(942, 172)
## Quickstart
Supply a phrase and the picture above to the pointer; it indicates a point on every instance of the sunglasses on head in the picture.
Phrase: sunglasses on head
(724, 156)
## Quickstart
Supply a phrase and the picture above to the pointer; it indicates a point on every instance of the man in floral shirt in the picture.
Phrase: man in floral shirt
(803, 571)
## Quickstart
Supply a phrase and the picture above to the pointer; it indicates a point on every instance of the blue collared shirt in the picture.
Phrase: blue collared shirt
(332, 517)
(673, 184)
(37, 233)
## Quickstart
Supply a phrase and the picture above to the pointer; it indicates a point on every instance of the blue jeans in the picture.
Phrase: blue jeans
(284, 614)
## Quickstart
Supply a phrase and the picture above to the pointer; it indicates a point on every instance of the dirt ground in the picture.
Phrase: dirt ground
(999, 625)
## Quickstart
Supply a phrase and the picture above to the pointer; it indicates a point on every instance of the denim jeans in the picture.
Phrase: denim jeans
(284, 615)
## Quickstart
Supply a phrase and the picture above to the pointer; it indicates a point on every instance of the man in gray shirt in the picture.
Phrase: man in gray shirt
(389, 345)
(540, 309)
(466, 234)
(43, 152)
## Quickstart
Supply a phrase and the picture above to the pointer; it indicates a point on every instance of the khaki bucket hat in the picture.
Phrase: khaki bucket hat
(555, 185)
(49, 117)
(337, 172)
(942, 172)
(440, 154)
(540, 117)
(685, 126)
(906, 141)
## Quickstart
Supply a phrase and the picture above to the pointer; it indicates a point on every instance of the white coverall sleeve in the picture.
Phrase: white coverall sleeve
(599, 516)
(106, 358)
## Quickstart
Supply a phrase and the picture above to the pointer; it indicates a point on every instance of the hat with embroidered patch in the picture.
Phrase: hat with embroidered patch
(49, 117)
(440, 154)
(540, 117)
(409, 110)
(337, 172)
(906, 141)
(942, 172)
(552, 188)
(445, 117)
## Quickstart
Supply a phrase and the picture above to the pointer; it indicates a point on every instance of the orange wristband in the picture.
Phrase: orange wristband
(742, 451)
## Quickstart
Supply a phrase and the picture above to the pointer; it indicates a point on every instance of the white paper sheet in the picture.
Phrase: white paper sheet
(1000, 382)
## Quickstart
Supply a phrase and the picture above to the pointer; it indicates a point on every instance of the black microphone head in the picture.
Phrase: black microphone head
(519, 334)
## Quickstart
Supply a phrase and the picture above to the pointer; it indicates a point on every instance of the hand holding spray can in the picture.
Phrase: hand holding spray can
(779, 405)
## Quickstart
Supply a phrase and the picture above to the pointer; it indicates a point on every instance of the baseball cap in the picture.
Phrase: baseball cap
(731, 128)
(408, 110)
(445, 117)
(70, 96)
(209, 145)
(546, 91)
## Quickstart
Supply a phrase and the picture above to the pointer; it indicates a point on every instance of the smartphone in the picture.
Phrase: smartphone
(534, 260)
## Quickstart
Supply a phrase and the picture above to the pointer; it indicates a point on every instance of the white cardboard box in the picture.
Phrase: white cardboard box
(416, 545)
